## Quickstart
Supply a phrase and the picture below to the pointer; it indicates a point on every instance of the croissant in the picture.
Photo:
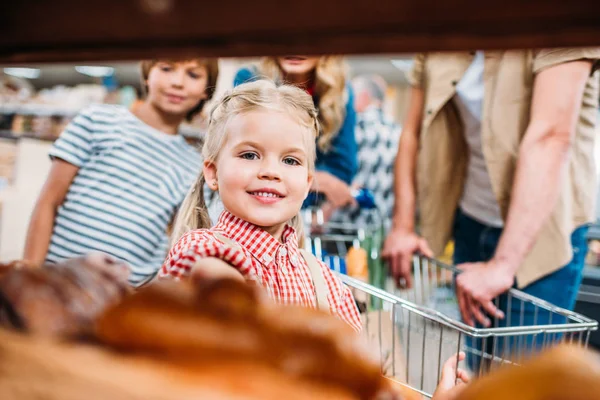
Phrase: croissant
(34, 368)
(59, 299)
(229, 320)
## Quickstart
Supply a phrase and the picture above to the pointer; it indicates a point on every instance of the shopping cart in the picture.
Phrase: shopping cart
(415, 330)
(332, 241)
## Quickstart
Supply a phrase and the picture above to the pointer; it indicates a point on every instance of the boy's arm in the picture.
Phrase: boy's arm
(52, 195)
(71, 151)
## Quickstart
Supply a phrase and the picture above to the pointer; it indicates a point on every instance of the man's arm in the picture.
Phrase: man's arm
(543, 157)
(541, 167)
(402, 242)
(405, 164)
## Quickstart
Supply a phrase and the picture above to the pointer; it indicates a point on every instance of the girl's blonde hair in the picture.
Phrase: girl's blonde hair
(330, 90)
(248, 97)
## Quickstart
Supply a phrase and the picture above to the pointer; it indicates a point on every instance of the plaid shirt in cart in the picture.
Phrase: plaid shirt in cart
(278, 267)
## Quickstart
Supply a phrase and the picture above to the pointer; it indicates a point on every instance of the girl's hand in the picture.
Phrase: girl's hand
(214, 268)
(453, 380)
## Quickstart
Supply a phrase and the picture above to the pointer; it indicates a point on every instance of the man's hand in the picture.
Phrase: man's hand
(478, 285)
(399, 248)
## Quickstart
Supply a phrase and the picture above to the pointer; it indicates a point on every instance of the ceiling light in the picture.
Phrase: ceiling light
(28, 73)
(403, 64)
(95, 71)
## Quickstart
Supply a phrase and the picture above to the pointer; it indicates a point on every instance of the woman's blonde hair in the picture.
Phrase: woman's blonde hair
(330, 90)
(248, 97)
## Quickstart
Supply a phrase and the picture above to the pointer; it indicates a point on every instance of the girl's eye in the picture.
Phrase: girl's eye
(291, 161)
(193, 75)
(249, 156)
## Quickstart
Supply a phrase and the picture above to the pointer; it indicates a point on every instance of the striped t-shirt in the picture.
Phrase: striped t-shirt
(131, 180)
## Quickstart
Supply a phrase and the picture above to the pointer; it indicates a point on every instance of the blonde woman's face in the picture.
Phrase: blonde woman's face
(177, 88)
(262, 170)
(297, 66)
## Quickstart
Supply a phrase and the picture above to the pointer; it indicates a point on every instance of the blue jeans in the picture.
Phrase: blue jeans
(475, 242)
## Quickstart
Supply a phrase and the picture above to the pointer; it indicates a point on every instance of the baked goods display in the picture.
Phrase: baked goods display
(75, 330)
(563, 372)
(60, 299)
(219, 331)
(227, 319)
(39, 369)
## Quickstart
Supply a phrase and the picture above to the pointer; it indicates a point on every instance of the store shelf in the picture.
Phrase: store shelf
(192, 136)
(4, 134)
(41, 110)
(64, 30)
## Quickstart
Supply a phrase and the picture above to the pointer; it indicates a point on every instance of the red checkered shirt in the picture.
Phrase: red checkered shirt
(278, 267)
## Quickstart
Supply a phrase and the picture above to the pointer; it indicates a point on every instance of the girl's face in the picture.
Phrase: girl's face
(297, 67)
(176, 87)
(262, 170)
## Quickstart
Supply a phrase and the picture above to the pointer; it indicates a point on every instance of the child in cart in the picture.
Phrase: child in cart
(259, 155)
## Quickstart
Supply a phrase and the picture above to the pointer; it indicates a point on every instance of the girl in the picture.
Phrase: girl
(259, 155)
(117, 176)
(324, 79)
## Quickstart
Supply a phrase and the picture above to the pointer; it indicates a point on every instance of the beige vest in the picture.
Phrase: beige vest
(442, 158)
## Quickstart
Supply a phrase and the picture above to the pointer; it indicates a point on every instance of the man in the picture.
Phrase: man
(499, 148)
(377, 139)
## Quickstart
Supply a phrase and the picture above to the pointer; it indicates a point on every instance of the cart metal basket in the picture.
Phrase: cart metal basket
(416, 330)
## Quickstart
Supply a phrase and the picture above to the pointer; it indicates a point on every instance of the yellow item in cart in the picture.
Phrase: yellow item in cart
(448, 252)
(357, 265)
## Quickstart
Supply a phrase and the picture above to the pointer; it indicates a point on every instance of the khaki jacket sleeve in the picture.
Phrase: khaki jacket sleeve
(416, 75)
(546, 58)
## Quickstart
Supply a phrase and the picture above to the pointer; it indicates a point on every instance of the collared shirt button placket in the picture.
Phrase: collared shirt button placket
(282, 260)
(267, 259)
(294, 261)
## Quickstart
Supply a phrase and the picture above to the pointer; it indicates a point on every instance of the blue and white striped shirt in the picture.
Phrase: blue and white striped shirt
(131, 180)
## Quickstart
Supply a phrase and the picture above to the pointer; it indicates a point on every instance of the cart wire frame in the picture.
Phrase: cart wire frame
(414, 350)
(413, 331)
